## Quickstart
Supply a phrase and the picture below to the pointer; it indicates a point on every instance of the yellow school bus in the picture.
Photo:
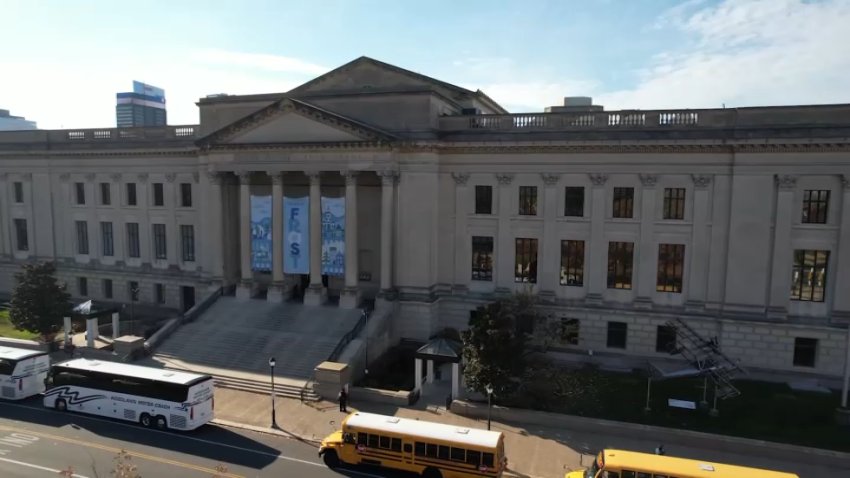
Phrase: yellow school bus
(434, 450)
(630, 464)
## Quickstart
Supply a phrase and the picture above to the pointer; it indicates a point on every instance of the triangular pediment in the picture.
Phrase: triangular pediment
(293, 121)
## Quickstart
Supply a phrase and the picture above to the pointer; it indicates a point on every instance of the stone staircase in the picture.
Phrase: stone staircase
(233, 340)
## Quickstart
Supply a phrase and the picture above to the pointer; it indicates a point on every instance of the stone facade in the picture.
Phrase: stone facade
(721, 192)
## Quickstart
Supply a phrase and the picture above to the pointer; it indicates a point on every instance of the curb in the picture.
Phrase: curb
(266, 430)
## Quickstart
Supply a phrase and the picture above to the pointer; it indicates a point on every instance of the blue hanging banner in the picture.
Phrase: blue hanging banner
(296, 223)
(261, 233)
(333, 236)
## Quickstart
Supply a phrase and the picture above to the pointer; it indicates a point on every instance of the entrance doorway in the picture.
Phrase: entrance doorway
(188, 294)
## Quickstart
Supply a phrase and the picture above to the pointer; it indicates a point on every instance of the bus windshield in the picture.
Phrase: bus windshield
(7, 367)
(591, 472)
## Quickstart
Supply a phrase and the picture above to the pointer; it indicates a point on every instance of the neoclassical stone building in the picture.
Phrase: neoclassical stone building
(734, 220)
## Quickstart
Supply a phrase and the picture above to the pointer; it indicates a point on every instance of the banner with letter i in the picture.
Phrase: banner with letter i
(296, 247)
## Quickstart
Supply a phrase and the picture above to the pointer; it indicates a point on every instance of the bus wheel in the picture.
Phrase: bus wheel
(145, 420)
(161, 423)
(431, 473)
(330, 458)
(61, 405)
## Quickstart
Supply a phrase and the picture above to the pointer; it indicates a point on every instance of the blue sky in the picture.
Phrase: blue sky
(61, 62)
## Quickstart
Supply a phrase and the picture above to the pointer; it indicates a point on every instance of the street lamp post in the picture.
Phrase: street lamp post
(134, 296)
(489, 390)
(271, 366)
(366, 326)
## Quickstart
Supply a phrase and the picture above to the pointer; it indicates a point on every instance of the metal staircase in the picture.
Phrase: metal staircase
(706, 357)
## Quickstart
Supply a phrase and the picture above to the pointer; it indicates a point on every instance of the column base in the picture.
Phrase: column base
(593, 299)
(694, 306)
(502, 292)
(244, 290)
(315, 295)
(777, 312)
(277, 293)
(546, 296)
(349, 298)
(642, 303)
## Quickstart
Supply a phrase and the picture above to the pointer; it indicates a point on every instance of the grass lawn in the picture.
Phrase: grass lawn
(8, 330)
(764, 411)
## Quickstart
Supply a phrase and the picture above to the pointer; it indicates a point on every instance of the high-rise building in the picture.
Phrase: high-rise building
(14, 123)
(144, 106)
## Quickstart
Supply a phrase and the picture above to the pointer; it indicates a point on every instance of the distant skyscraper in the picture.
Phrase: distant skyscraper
(144, 106)
(14, 123)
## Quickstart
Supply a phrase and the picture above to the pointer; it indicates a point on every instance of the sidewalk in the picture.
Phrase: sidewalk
(528, 455)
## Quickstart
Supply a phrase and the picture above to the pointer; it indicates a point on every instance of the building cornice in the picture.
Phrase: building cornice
(634, 148)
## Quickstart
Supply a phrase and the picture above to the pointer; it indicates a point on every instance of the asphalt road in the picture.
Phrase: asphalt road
(38, 442)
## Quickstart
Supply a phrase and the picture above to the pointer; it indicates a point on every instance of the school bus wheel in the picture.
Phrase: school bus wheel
(330, 458)
(431, 473)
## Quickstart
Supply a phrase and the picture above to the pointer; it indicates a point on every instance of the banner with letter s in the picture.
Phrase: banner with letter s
(296, 247)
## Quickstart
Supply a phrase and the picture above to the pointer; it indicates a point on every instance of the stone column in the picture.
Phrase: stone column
(417, 373)
(697, 283)
(647, 250)
(505, 245)
(350, 297)
(549, 278)
(92, 224)
(315, 294)
(780, 277)
(145, 231)
(213, 237)
(388, 180)
(841, 301)
(116, 325)
(91, 332)
(246, 284)
(174, 249)
(430, 371)
(277, 291)
(462, 242)
(598, 245)
(455, 381)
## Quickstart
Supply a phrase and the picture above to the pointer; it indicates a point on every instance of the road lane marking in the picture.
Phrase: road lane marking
(277, 456)
(136, 454)
(38, 467)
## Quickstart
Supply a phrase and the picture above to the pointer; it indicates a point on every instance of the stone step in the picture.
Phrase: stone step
(281, 390)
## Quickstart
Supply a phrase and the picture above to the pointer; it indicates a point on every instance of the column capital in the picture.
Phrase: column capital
(244, 177)
(786, 182)
(276, 177)
(460, 178)
(350, 176)
(701, 181)
(388, 177)
(550, 179)
(170, 177)
(598, 179)
(115, 177)
(64, 177)
(314, 176)
(143, 177)
(845, 181)
(648, 180)
(90, 177)
(214, 177)
(504, 179)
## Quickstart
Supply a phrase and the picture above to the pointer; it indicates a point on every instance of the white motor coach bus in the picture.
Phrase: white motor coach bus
(154, 397)
(22, 372)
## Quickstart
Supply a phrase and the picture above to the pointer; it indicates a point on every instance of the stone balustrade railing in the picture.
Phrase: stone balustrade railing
(102, 135)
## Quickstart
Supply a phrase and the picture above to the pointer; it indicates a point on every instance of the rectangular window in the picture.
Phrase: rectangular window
(105, 194)
(131, 194)
(21, 234)
(617, 332)
(665, 339)
(83, 286)
(624, 202)
(526, 261)
(82, 237)
(133, 290)
(483, 199)
(620, 257)
(159, 244)
(572, 263)
(574, 202)
(186, 194)
(570, 330)
(528, 200)
(805, 352)
(671, 266)
(160, 293)
(107, 239)
(674, 203)
(133, 239)
(158, 194)
(808, 276)
(482, 258)
(815, 205)
(107, 288)
(187, 240)
(19, 192)
(80, 189)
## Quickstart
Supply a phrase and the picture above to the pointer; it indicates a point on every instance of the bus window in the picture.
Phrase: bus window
(373, 441)
(432, 451)
(384, 442)
(473, 457)
(420, 449)
(610, 474)
(458, 454)
(348, 438)
(361, 438)
(408, 448)
(396, 444)
(487, 460)
(628, 474)
(443, 452)
(641, 474)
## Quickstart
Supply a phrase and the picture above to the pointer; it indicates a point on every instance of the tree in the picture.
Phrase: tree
(39, 300)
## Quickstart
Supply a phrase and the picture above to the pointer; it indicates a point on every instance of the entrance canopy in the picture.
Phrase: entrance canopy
(440, 349)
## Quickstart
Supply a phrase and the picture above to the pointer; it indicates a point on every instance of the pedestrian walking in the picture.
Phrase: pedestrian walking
(659, 450)
(343, 398)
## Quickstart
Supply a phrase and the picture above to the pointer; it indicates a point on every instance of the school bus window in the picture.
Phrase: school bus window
(443, 452)
(385, 442)
(361, 439)
(473, 457)
(373, 441)
(432, 451)
(420, 449)
(396, 444)
(458, 454)
(610, 474)
(408, 448)
(660, 476)
(488, 460)
(628, 474)
(641, 474)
